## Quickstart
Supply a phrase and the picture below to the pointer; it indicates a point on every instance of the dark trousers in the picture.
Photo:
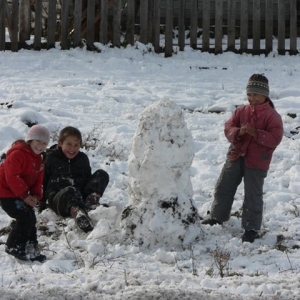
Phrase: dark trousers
(230, 178)
(70, 196)
(24, 229)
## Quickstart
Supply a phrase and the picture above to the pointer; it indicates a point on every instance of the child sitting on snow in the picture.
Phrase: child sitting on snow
(70, 189)
(21, 178)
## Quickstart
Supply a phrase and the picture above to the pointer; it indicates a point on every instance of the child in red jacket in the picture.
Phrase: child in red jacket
(254, 131)
(21, 186)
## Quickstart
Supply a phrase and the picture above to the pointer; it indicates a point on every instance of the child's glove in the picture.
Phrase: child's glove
(42, 205)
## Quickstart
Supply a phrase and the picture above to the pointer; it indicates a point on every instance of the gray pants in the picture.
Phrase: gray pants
(227, 184)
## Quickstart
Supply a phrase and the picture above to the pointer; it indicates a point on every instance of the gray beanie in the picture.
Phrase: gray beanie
(38, 132)
(258, 84)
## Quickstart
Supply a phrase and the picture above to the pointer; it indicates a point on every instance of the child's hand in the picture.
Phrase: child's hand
(31, 200)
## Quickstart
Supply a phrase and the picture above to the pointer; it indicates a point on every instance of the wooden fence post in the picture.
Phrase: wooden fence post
(293, 27)
(231, 25)
(25, 20)
(38, 24)
(256, 21)
(77, 22)
(156, 26)
(51, 28)
(130, 22)
(2, 24)
(219, 27)
(169, 29)
(206, 25)
(117, 23)
(193, 24)
(144, 21)
(90, 34)
(64, 24)
(14, 25)
(269, 26)
(281, 26)
(103, 22)
(181, 25)
(244, 26)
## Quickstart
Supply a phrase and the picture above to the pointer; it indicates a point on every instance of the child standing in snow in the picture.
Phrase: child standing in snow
(21, 179)
(70, 189)
(254, 131)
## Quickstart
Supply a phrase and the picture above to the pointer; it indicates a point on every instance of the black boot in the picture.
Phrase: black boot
(250, 236)
(211, 222)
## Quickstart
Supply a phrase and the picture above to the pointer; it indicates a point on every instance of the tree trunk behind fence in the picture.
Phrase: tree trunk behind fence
(130, 22)
(90, 34)
(156, 26)
(65, 25)
(256, 21)
(77, 23)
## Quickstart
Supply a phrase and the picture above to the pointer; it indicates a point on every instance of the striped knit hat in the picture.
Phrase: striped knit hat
(258, 84)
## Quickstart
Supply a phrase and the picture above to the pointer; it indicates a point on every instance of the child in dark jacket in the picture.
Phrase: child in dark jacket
(254, 131)
(21, 179)
(70, 188)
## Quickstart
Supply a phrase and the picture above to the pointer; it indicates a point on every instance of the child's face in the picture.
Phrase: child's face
(256, 99)
(70, 146)
(38, 146)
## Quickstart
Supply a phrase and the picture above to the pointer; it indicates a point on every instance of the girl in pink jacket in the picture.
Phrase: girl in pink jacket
(254, 131)
(21, 186)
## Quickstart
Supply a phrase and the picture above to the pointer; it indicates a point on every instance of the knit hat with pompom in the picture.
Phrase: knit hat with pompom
(38, 132)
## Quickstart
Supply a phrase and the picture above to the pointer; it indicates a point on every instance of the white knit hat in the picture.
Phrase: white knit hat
(38, 132)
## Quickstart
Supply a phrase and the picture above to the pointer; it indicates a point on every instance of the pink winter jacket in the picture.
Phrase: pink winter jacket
(256, 151)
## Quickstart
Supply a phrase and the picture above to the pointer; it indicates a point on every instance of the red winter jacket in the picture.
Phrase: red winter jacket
(21, 173)
(256, 151)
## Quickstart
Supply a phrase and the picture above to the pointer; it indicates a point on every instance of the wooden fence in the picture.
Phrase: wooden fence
(72, 22)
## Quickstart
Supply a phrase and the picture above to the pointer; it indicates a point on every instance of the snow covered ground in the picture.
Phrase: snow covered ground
(104, 95)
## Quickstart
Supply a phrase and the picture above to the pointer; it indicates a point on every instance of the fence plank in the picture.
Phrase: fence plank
(77, 22)
(269, 26)
(181, 25)
(117, 23)
(14, 25)
(231, 25)
(169, 29)
(156, 27)
(64, 24)
(144, 21)
(193, 24)
(281, 26)
(293, 27)
(51, 28)
(130, 22)
(219, 27)
(38, 25)
(2, 24)
(90, 25)
(256, 17)
(104, 22)
(25, 20)
(206, 25)
(244, 26)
